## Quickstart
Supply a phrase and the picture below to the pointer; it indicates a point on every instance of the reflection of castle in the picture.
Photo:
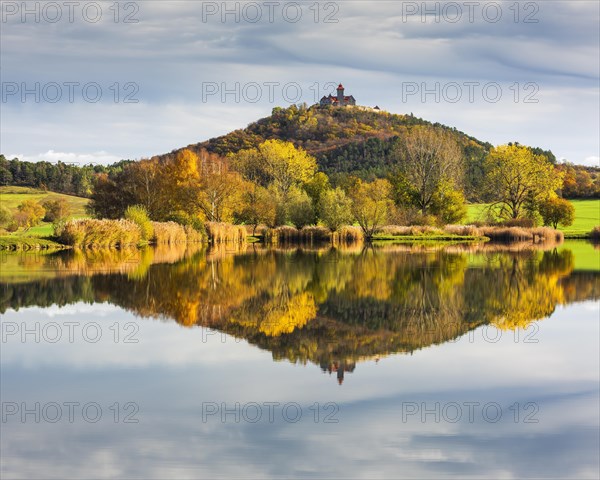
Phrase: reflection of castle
(339, 368)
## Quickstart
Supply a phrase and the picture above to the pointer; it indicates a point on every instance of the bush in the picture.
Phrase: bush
(595, 233)
(56, 210)
(5, 216)
(138, 215)
(449, 205)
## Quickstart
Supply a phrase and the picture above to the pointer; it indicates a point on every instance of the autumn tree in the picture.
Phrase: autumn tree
(29, 214)
(277, 163)
(557, 211)
(428, 157)
(257, 207)
(516, 176)
(371, 204)
(335, 209)
(219, 188)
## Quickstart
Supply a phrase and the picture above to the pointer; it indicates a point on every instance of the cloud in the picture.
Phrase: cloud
(372, 49)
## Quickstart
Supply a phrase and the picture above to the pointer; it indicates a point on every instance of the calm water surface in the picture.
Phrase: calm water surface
(390, 362)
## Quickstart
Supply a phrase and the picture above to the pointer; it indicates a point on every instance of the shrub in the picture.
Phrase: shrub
(5, 216)
(595, 233)
(56, 210)
(138, 215)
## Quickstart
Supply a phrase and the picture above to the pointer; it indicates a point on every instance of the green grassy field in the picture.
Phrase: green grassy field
(12, 197)
(587, 215)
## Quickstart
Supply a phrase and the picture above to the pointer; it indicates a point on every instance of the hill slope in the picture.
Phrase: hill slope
(344, 140)
(12, 197)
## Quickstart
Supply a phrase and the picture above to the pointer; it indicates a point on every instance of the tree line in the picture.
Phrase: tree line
(277, 183)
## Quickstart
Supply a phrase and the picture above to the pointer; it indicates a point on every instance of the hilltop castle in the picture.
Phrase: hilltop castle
(340, 100)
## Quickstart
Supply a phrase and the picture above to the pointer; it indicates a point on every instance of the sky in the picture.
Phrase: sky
(96, 82)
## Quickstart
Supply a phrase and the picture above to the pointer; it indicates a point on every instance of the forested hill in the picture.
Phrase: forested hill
(344, 140)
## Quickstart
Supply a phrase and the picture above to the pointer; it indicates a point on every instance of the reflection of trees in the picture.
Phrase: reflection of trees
(326, 307)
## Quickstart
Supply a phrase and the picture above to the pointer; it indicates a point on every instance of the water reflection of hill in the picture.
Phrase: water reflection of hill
(327, 307)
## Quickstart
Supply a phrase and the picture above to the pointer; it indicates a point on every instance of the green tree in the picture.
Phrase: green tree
(139, 215)
(449, 205)
(300, 208)
(370, 204)
(5, 216)
(516, 176)
(336, 209)
(557, 211)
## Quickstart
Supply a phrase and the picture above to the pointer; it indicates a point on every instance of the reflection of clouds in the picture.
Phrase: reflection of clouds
(370, 441)
(171, 372)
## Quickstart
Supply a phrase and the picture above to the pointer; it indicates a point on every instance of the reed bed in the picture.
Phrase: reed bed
(595, 233)
(463, 230)
(93, 233)
(411, 230)
(219, 232)
(519, 234)
(312, 235)
(349, 235)
(168, 233)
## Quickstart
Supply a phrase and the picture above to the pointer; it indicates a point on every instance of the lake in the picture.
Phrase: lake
(453, 361)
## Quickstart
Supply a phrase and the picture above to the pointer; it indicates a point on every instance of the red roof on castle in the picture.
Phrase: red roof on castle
(335, 99)
(340, 87)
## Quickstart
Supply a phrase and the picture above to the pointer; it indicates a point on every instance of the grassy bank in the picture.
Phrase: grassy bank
(587, 216)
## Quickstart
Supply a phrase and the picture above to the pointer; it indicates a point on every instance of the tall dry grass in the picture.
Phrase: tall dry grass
(520, 234)
(94, 233)
(168, 233)
(219, 232)
(349, 234)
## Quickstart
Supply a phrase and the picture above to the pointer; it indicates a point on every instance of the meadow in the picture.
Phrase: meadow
(587, 216)
(12, 197)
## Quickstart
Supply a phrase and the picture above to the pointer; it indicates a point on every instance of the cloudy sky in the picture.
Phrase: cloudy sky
(101, 81)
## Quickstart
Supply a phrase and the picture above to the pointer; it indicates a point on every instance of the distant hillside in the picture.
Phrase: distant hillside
(12, 197)
(344, 140)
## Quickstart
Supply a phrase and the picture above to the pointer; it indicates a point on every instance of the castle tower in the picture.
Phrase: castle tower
(340, 94)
